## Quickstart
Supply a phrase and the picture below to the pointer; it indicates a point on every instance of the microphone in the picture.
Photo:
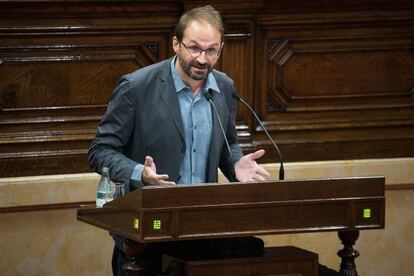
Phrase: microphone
(281, 170)
(209, 98)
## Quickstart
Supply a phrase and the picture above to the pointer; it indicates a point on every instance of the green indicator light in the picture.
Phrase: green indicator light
(156, 224)
(366, 213)
(136, 223)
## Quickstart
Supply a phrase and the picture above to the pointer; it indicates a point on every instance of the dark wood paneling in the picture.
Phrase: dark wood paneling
(236, 61)
(337, 85)
(330, 79)
(59, 63)
(298, 207)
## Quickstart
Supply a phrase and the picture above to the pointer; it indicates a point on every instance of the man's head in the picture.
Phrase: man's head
(198, 41)
(207, 13)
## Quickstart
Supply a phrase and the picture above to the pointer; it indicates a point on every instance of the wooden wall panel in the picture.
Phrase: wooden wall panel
(340, 83)
(59, 63)
(341, 74)
(330, 79)
(237, 61)
(71, 74)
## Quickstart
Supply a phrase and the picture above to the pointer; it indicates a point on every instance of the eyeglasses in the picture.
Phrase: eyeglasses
(196, 52)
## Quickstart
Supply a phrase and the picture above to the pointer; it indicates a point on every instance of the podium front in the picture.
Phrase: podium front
(205, 211)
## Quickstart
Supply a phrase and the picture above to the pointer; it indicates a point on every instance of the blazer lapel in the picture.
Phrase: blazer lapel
(169, 96)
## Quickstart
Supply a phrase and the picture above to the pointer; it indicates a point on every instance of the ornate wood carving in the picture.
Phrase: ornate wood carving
(58, 73)
(345, 75)
(334, 83)
(330, 80)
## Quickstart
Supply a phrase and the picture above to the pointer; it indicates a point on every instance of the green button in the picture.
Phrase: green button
(156, 224)
(136, 223)
(366, 213)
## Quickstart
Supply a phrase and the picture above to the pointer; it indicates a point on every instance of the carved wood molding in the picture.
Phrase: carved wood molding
(340, 75)
(88, 8)
(228, 9)
(68, 75)
(57, 74)
(330, 80)
(338, 18)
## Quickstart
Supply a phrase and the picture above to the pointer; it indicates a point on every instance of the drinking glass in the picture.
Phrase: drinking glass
(118, 190)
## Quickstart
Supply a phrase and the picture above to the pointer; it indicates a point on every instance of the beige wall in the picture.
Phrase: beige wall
(53, 242)
(383, 252)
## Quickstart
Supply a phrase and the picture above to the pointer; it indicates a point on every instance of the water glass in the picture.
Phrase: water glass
(118, 190)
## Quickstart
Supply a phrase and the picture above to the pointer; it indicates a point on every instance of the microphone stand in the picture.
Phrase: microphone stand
(209, 98)
(281, 170)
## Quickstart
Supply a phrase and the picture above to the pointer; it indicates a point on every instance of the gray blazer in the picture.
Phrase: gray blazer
(143, 118)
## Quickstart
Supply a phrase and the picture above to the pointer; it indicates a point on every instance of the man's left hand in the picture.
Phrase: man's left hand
(247, 168)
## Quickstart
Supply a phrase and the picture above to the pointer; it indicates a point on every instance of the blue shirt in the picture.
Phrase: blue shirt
(197, 121)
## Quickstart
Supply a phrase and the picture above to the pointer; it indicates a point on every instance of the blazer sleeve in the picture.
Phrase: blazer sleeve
(113, 133)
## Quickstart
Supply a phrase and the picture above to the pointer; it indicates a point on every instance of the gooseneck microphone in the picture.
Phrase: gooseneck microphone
(209, 98)
(281, 170)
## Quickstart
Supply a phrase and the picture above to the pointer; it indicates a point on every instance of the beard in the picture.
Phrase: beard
(195, 75)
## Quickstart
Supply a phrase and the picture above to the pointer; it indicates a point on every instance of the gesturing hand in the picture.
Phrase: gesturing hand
(248, 170)
(150, 176)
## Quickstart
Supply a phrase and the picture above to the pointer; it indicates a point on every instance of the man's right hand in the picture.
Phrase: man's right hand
(150, 176)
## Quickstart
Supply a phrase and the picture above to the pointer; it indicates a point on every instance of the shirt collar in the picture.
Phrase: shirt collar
(210, 83)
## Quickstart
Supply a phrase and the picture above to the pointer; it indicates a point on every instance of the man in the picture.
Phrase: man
(159, 129)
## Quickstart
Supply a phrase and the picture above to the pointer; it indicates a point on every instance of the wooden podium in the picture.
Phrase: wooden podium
(205, 211)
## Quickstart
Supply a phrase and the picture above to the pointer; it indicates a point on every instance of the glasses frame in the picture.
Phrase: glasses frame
(200, 51)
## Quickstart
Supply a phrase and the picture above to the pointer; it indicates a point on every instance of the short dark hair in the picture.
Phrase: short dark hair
(207, 13)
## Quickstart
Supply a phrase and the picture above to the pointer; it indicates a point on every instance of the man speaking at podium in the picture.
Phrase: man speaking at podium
(162, 124)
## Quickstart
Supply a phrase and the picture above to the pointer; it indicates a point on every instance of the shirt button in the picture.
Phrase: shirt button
(193, 150)
(195, 127)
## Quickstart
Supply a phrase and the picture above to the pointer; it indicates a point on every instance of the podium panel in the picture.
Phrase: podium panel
(187, 212)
